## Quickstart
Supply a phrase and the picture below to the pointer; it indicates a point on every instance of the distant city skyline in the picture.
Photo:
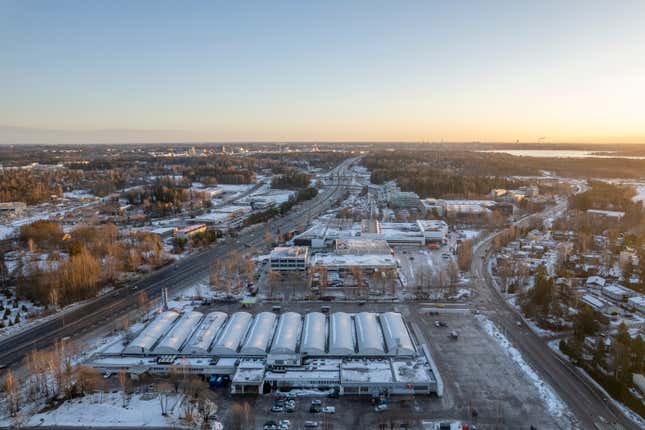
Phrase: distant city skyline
(501, 71)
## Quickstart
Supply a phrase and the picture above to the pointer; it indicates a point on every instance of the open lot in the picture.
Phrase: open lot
(477, 372)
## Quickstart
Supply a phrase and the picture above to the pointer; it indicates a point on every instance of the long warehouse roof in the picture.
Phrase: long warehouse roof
(314, 335)
(201, 340)
(257, 341)
(146, 340)
(368, 333)
(287, 334)
(397, 338)
(233, 334)
(178, 335)
(341, 336)
(217, 334)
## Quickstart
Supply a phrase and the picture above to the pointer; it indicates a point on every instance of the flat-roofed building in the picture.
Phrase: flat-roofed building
(190, 231)
(289, 258)
(362, 246)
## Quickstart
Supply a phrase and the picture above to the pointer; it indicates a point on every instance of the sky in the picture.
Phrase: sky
(153, 71)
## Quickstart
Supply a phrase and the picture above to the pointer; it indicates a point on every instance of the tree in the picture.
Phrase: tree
(269, 240)
(124, 382)
(143, 302)
(585, 323)
(465, 255)
(12, 389)
(273, 278)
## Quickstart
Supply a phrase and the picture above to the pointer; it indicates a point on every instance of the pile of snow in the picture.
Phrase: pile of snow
(554, 404)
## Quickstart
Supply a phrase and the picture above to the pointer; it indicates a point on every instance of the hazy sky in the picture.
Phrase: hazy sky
(565, 70)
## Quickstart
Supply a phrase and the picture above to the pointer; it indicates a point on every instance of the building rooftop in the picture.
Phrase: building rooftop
(289, 252)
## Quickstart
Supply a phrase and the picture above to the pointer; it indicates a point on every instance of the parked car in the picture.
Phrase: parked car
(270, 425)
(380, 408)
(329, 410)
(311, 424)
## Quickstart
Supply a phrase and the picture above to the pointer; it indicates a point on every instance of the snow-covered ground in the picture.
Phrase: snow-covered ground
(553, 402)
(108, 410)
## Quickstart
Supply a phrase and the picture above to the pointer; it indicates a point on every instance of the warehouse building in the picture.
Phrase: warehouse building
(325, 233)
(362, 353)
(289, 258)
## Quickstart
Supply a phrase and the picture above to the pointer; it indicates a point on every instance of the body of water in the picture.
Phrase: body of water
(560, 153)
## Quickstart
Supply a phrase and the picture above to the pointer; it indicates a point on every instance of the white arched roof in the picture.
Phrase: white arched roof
(287, 334)
(396, 334)
(314, 334)
(260, 334)
(177, 336)
(341, 334)
(147, 339)
(233, 333)
(205, 334)
(368, 334)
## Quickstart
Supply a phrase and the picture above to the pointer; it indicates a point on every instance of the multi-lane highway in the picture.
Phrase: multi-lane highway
(586, 401)
(186, 272)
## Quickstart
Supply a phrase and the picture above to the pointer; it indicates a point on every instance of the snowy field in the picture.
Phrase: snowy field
(554, 404)
(111, 410)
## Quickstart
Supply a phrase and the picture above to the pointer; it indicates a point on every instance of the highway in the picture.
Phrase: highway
(586, 402)
(108, 308)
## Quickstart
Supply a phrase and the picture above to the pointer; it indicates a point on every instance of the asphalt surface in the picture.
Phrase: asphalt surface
(585, 401)
(182, 274)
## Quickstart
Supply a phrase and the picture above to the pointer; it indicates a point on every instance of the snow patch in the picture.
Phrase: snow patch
(554, 404)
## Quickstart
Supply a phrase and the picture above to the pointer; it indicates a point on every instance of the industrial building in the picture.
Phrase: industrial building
(354, 353)
(289, 258)
(325, 233)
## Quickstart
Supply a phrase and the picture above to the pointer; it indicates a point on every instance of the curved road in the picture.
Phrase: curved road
(585, 400)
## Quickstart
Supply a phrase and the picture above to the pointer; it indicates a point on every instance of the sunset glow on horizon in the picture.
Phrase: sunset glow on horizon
(503, 71)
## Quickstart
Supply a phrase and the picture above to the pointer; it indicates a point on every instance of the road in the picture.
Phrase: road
(186, 272)
(585, 401)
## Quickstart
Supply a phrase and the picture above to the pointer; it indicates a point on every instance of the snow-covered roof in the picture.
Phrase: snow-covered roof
(260, 334)
(314, 334)
(368, 334)
(146, 340)
(396, 335)
(201, 340)
(232, 334)
(287, 334)
(341, 334)
(177, 336)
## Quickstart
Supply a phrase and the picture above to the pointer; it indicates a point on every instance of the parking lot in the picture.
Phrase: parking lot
(478, 375)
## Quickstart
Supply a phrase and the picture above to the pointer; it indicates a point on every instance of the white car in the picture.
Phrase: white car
(329, 410)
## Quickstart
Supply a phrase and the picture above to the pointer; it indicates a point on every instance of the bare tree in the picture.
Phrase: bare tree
(465, 255)
(273, 278)
(269, 240)
(12, 388)
(125, 385)
(164, 390)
